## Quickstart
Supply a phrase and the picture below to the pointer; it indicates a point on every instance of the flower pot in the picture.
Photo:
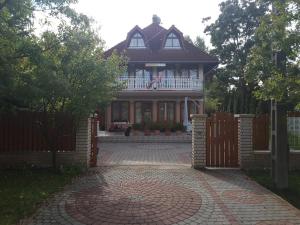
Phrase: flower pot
(147, 132)
(168, 132)
(156, 132)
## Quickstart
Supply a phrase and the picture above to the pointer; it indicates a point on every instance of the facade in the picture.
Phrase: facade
(163, 69)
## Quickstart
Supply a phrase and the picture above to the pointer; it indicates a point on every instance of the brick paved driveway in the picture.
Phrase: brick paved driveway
(145, 154)
(165, 195)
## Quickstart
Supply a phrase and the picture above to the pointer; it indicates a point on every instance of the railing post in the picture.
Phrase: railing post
(198, 140)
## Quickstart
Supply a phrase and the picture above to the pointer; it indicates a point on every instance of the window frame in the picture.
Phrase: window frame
(172, 38)
(158, 111)
(137, 39)
(119, 109)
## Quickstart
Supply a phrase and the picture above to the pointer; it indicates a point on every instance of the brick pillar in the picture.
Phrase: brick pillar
(154, 111)
(245, 143)
(199, 140)
(131, 111)
(177, 113)
(83, 143)
(108, 117)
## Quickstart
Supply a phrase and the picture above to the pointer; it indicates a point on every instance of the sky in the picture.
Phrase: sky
(116, 17)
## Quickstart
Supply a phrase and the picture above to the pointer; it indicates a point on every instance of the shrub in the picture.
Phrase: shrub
(137, 126)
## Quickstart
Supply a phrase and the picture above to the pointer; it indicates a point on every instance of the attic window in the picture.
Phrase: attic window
(137, 41)
(172, 41)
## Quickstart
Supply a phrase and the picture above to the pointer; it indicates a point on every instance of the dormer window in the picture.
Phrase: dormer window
(172, 41)
(137, 41)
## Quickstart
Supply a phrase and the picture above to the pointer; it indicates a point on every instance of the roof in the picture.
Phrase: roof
(154, 36)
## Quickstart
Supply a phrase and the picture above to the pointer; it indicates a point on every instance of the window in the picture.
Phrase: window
(172, 41)
(166, 111)
(189, 73)
(120, 111)
(137, 41)
(143, 112)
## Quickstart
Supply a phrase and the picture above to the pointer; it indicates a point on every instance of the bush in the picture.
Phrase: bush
(137, 126)
(178, 127)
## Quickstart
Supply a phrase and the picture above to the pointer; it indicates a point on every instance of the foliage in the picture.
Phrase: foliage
(137, 126)
(200, 43)
(292, 194)
(22, 191)
(178, 127)
(60, 71)
(232, 37)
(274, 62)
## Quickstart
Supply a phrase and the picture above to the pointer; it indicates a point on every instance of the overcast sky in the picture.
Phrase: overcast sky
(117, 17)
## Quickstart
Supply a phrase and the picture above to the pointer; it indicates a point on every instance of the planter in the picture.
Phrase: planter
(135, 133)
(156, 132)
(179, 132)
(168, 132)
(147, 132)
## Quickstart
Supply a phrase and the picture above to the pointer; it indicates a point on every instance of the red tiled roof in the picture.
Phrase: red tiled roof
(154, 37)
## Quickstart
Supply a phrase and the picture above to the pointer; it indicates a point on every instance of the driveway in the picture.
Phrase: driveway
(145, 154)
(153, 184)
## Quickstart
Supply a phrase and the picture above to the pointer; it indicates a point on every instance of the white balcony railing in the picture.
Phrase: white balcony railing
(162, 84)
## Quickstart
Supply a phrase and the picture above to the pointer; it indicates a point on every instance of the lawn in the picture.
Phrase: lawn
(22, 191)
(292, 194)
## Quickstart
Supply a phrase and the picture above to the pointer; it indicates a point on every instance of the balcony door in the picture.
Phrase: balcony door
(143, 112)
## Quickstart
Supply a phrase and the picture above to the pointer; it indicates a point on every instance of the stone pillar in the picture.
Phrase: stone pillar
(198, 140)
(245, 140)
(83, 143)
(131, 111)
(178, 113)
(154, 111)
(108, 117)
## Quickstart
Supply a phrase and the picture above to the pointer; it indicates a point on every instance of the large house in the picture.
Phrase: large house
(163, 69)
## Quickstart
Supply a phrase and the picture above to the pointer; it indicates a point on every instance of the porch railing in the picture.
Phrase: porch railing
(162, 84)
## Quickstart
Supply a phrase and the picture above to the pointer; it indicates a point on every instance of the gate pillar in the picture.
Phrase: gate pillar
(198, 140)
(245, 140)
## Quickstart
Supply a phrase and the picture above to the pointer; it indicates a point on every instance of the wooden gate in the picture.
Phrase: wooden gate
(221, 140)
(94, 147)
(261, 128)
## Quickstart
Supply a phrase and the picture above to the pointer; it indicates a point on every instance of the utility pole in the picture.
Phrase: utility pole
(279, 138)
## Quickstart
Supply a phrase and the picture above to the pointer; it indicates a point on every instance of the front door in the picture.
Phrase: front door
(143, 112)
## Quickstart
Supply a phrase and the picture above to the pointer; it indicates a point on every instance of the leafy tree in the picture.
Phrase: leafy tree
(278, 34)
(232, 37)
(200, 43)
(61, 71)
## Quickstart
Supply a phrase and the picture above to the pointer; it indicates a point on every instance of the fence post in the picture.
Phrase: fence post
(83, 142)
(198, 140)
(245, 140)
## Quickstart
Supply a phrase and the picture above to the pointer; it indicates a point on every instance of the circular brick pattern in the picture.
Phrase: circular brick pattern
(244, 197)
(272, 222)
(150, 202)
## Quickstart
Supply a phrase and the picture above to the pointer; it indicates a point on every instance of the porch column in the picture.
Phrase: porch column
(198, 140)
(177, 113)
(245, 140)
(108, 117)
(154, 111)
(131, 111)
(200, 107)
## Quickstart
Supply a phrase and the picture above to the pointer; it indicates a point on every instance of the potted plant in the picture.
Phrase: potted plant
(147, 131)
(155, 128)
(168, 127)
(136, 128)
(179, 128)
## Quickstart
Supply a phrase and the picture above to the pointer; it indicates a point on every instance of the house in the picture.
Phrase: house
(163, 69)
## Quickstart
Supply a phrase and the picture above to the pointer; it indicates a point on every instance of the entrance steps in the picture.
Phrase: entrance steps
(183, 138)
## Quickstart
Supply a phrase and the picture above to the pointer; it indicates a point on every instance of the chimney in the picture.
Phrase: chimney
(155, 19)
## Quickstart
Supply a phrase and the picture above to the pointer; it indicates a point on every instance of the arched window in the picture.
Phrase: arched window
(137, 41)
(172, 41)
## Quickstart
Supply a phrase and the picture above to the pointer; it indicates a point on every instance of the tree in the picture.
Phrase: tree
(200, 43)
(274, 65)
(61, 71)
(232, 36)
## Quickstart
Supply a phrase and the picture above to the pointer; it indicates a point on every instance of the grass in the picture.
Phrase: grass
(292, 194)
(22, 191)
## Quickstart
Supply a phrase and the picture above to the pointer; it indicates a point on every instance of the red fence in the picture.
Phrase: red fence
(23, 132)
(261, 127)
(221, 140)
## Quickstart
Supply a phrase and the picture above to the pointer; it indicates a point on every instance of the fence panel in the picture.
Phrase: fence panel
(261, 127)
(22, 131)
(221, 140)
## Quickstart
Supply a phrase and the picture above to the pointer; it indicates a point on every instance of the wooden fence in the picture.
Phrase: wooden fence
(261, 128)
(221, 140)
(23, 132)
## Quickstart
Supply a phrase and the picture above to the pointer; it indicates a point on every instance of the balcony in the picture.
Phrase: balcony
(163, 84)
